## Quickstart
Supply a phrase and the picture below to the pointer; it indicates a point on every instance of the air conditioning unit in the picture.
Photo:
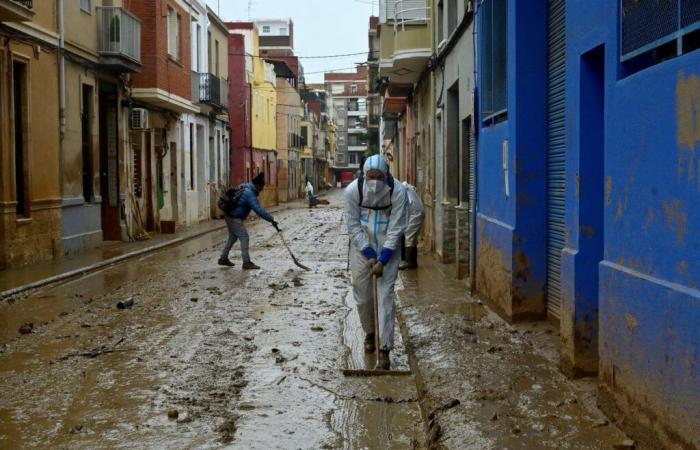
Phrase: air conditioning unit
(139, 119)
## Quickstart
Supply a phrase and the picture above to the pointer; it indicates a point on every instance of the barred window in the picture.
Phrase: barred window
(658, 28)
(494, 103)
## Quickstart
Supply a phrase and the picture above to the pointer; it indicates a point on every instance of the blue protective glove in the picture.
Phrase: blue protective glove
(369, 252)
(385, 256)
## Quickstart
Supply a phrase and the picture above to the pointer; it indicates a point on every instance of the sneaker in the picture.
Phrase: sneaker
(384, 363)
(250, 266)
(369, 343)
(226, 262)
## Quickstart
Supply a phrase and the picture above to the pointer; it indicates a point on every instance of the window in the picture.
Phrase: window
(440, 21)
(353, 158)
(654, 31)
(337, 89)
(304, 136)
(209, 55)
(494, 102)
(452, 17)
(353, 89)
(19, 109)
(283, 31)
(216, 58)
(85, 6)
(266, 28)
(198, 50)
(174, 27)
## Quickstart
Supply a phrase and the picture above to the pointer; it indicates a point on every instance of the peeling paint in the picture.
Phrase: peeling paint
(688, 115)
(608, 191)
(588, 231)
(522, 266)
(676, 219)
(631, 322)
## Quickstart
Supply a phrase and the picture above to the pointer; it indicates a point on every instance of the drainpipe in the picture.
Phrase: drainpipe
(61, 89)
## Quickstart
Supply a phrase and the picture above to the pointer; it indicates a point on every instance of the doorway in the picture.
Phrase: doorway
(591, 207)
(174, 181)
(109, 162)
(86, 134)
(150, 207)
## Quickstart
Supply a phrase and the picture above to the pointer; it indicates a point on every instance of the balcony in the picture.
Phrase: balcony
(119, 39)
(209, 90)
(406, 42)
(16, 10)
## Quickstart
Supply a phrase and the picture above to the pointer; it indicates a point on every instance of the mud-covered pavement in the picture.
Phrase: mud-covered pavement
(207, 357)
(213, 357)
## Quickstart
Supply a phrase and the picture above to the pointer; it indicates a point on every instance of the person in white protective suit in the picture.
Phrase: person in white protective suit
(375, 214)
(416, 215)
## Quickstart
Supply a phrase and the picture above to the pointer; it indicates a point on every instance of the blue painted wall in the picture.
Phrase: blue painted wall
(648, 303)
(511, 269)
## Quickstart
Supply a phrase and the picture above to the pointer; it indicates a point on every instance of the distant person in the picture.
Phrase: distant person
(375, 213)
(242, 200)
(416, 215)
(313, 200)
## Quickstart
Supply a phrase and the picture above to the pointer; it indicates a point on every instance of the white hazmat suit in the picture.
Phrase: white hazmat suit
(380, 230)
(416, 215)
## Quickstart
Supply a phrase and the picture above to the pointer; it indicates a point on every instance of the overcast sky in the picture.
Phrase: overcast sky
(321, 27)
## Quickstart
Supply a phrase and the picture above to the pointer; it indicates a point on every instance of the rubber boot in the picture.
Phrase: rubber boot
(411, 259)
(369, 343)
(384, 362)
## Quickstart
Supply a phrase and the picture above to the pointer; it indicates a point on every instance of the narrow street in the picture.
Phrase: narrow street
(209, 357)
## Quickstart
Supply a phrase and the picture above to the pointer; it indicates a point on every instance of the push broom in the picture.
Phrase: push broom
(376, 371)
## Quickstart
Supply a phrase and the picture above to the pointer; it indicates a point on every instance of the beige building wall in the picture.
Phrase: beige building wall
(36, 236)
(290, 113)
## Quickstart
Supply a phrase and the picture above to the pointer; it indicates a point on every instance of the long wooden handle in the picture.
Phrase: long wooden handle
(375, 301)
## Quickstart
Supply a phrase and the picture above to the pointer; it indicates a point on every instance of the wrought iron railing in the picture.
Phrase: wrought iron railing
(119, 33)
(209, 89)
(29, 4)
(410, 12)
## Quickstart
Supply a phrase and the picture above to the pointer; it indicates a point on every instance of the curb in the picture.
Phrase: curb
(117, 259)
(102, 264)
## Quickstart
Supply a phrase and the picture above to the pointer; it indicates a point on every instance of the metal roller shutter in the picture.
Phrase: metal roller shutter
(556, 151)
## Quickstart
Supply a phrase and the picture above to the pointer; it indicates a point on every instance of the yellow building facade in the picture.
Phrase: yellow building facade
(264, 123)
(30, 187)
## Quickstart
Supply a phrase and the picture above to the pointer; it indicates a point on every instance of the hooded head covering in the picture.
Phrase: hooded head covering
(375, 162)
(259, 180)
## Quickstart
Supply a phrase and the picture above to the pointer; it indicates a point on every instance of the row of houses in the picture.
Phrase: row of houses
(120, 119)
(553, 143)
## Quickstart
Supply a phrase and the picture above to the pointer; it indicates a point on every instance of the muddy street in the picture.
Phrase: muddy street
(206, 357)
(173, 351)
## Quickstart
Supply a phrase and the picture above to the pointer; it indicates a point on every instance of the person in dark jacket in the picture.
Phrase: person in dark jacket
(235, 221)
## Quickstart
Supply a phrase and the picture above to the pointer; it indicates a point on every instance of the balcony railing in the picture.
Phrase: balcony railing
(16, 10)
(410, 12)
(209, 89)
(119, 33)
(29, 4)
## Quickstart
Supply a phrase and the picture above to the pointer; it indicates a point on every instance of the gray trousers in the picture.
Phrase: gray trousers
(236, 231)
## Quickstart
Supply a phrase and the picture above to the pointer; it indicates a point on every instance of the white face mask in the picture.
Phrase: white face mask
(375, 186)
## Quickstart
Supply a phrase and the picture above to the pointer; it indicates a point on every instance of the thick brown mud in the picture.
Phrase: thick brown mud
(207, 357)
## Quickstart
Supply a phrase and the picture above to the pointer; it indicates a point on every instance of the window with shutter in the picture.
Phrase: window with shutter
(174, 26)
